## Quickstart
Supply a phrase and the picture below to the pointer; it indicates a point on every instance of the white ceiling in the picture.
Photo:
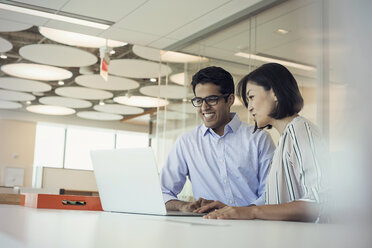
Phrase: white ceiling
(144, 22)
(212, 28)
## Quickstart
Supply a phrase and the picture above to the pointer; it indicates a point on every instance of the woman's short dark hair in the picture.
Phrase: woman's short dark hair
(215, 75)
(277, 77)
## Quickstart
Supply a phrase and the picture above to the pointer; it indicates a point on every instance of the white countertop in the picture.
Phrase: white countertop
(28, 227)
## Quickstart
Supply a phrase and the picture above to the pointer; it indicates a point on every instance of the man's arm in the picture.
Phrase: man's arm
(292, 211)
(177, 205)
(173, 174)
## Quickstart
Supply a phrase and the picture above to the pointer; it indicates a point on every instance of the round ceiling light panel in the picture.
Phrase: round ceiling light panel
(9, 105)
(65, 102)
(141, 101)
(19, 84)
(137, 68)
(76, 39)
(50, 110)
(99, 116)
(166, 56)
(165, 91)
(178, 78)
(113, 83)
(57, 55)
(118, 109)
(36, 72)
(10, 26)
(83, 93)
(15, 96)
(5, 45)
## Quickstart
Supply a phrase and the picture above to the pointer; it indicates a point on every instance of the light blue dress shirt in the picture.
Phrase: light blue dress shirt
(231, 168)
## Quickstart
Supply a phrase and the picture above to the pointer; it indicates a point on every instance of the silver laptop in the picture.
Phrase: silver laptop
(128, 182)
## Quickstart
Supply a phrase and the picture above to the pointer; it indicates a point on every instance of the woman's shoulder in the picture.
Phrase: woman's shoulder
(300, 128)
(301, 123)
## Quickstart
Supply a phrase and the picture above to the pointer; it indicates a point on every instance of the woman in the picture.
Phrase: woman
(293, 186)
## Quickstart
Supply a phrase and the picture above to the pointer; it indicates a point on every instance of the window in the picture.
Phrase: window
(49, 145)
(64, 146)
(131, 139)
(80, 141)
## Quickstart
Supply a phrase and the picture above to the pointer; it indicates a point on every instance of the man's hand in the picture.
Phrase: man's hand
(176, 205)
(212, 205)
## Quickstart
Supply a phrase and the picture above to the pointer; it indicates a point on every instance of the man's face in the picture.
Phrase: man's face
(217, 116)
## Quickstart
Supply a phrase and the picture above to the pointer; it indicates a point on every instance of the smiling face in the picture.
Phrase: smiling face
(217, 116)
(261, 104)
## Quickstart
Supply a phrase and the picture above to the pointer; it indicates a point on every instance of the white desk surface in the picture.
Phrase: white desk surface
(28, 227)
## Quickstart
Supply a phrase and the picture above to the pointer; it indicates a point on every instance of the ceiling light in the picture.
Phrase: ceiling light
(118, 109)
(94, 115)
(9, 105)
(3, 56)
(112, 51)
(281, 31)
(52, 16)
(60, 82)
(57, 55)
(65, 102)
(101, 102)
(153, 80)
(178, 78)
(184, 99)
(166, 56)
(25, 85)
(38, 93)
(138, 68)
(77, 39)
(176, 57)
(28, 102)
(141, 101)
(280, 61)
(50, 110)
(165, 91)
(36, 71)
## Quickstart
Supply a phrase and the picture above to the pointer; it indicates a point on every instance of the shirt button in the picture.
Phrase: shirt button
(221, 160)
(220, 141)
(224, 181)
(230, 201)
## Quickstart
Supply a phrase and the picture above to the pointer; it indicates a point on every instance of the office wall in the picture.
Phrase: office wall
(17, 143)
(69, 179)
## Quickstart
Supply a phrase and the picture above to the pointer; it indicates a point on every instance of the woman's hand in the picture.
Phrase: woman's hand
(246, 213)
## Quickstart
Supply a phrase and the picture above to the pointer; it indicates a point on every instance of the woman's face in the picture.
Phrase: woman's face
(261, 103)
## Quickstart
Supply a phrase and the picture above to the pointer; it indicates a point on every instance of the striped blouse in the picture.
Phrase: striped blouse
(295, 172)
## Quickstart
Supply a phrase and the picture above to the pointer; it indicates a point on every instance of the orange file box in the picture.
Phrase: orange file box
(72, 202)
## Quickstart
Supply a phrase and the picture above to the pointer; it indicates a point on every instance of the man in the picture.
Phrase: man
(224, 160)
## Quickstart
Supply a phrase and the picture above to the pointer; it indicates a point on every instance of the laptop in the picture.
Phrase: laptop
(128, 182)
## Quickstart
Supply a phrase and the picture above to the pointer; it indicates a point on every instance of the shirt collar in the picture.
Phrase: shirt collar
(232, 126)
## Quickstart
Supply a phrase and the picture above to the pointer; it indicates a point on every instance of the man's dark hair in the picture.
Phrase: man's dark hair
(217, 76)
(277, 77)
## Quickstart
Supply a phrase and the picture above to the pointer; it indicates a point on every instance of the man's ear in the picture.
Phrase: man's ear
(231, 99)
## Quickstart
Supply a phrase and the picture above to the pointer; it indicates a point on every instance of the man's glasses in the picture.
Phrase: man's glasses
(210, 100)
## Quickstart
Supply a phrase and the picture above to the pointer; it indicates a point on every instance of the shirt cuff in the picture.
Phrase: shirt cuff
(259, 201)
(168, 197)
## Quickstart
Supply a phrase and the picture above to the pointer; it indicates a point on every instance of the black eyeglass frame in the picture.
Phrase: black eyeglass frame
(209, 98)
